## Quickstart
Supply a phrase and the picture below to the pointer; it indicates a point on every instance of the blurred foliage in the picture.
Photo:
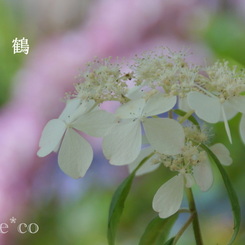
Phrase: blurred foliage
(9, 29)
(67, 222)
(226, 36)
(84, 221)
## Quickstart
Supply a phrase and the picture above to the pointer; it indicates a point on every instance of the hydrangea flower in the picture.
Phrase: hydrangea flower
(122, 145)
(193, 166)
(102, 81)
(168, 71)
(75, 153)
(219, 97)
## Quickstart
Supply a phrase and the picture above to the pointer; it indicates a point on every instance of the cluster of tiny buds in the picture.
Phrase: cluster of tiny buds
(161, 69)
(224, 81)
(195, 134)
(102, 81)
(184, 162)
(170, 71)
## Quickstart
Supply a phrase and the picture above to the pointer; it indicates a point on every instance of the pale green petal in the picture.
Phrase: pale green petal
(85, 107)
(189, 180)
(222, 153)
(206, 107)
(71, 106)
(238, 103)
(229, 111)
(147, 167)
(96, 123)
(135, 93)
(132, 109)
(122, 145)
(165, 135)
(203, 175)
(75, 155)
(51, 137)
(145, 140)
(183, 104)
(158, 104)
(242, 128)
(169, 196)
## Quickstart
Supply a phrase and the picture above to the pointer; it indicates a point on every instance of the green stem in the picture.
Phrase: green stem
(182, 230)
(170, 114)
(184, 210)
(195, 222)
(186, 116)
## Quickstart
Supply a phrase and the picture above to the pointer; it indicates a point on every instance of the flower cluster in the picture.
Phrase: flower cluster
(192, 166)
(102, 81)
(151, 90)
(221, 95)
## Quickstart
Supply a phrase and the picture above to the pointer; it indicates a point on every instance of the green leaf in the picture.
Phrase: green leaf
(117, 206)
(190, 118)
(231, 193)
(117, 203)
(170, 241)
(157, 231)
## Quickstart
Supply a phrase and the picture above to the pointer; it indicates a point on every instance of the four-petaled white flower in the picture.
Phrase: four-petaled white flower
(168, 198)
(75, 153)
(123, 144)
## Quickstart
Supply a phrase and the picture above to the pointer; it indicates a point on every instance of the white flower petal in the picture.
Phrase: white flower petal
(227, 128)
(229, 111)
(75, 155)
(183, 104)
(222, 153)
(165, 135)
(203, 175)
(96, 123)
(168, 198)
(71, 106)
(158, 104)
(132, 109)
(238, 103)
(206, 107)
(189, 180)
(145, 140)
(242, 128)
(51, 137)
(122, 145)
(135, 92)
(147, 167)
(81, 110)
